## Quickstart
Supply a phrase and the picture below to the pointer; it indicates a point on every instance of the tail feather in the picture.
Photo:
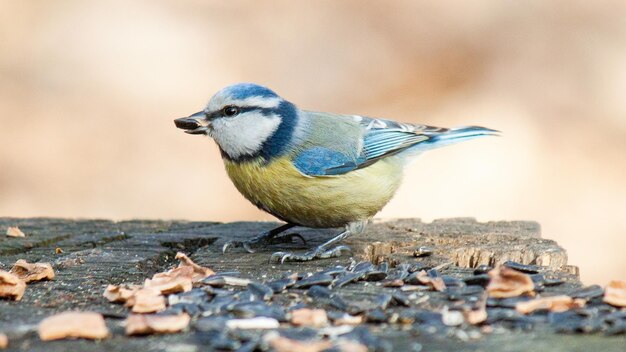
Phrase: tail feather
(460, 134)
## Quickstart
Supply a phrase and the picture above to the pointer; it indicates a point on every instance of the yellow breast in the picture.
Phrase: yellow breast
(331, 201)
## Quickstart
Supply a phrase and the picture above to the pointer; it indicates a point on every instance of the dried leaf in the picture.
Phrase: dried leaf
(559, 303)
(506, 282)
(199, 272)
(120, 294)
(309, 317)
(143, 324)
(11, 286)
(615, 293)
(14, 231)
(4, 341)
(434, 282)
(284, 344)
(146, 300)
(88, 325)
(32, 272)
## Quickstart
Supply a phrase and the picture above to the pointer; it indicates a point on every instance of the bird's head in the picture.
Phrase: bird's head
(245, 120)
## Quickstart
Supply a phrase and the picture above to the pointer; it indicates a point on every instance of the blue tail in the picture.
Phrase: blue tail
(459, 134)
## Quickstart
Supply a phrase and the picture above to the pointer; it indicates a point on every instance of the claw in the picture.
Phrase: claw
(285, 257)
(277, 255)
(225, 247)
(247, 247)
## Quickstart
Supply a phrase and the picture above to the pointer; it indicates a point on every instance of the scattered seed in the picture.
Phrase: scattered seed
(284, 344)
(423, 251)
(32, 272)
(588, 292)
(253, 323)
(615, 293)
(14, 231)
(119, 294)
(528, 269)
(482, 269)
(347, 278)
(262, 292)
(507, 282)
(347, 319)
(401, 299)
(199, 272)
(11, 286)
(375, 275)
(382, 300)
(88, 325)
(318, 292)
(363, 267)
(146, 300)
(144, 324)
(451, 317)
(559, 303)
(316, 279)
(309, 317)
(376, 316)
(214, 281)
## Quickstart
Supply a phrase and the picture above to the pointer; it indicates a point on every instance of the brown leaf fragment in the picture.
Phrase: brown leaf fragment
(199, 272)
(309, 317)
(88, 325)
(143, 324)
(557, 304)
(14, 231)
(615, 293)
(11, 286)
(32, 272)
(146, 300)
(172, 281)
(434, 282)
(119, 294)
(506, 282)
(4, 341)
(284, 344)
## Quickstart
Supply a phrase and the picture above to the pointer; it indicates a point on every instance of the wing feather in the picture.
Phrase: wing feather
(380, 139)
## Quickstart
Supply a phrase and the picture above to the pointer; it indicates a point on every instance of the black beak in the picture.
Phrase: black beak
(194, 124)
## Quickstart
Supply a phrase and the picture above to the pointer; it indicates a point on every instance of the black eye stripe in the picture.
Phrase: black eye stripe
(242, 109)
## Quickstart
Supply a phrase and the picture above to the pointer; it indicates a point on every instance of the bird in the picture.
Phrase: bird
(312, 169)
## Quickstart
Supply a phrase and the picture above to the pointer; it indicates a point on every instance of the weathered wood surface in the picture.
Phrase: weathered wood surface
(89, 254)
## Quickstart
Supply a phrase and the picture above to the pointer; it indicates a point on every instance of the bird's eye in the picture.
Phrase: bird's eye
(230, 110)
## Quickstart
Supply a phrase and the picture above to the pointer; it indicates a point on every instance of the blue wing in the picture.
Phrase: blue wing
(380, 138)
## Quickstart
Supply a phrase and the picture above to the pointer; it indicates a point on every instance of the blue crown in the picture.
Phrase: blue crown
(247, 90)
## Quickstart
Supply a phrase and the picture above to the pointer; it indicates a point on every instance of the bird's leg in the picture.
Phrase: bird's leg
(319, 252)
(264, 239)
(322, 251)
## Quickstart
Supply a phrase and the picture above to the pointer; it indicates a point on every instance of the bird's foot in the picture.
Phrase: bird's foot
(318, 253)
(263, 241)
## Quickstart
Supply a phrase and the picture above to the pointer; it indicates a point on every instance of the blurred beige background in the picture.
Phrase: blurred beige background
(88, 91)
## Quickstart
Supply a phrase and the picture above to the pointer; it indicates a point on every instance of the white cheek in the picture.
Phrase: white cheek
(244, 134)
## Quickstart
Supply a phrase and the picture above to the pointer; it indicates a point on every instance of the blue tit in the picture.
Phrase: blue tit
(312, 169)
